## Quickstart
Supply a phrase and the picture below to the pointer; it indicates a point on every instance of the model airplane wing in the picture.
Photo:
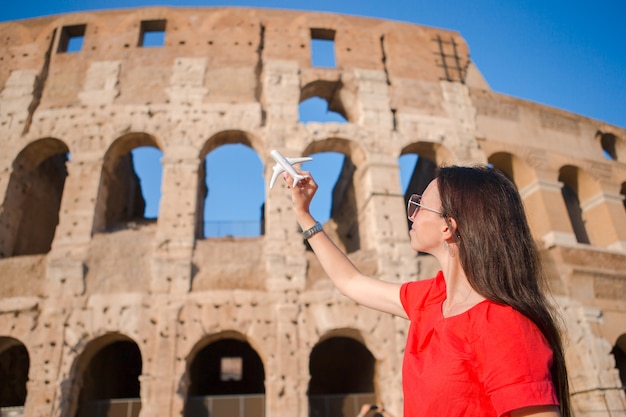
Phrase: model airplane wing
(286, 164)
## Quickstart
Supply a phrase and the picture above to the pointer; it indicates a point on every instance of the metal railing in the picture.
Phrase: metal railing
(116, 407)
(339, 405)
(249, 405)
(235, 228)
(12, 411)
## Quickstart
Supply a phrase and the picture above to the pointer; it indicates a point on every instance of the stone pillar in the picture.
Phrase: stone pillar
(158, 382)
(594, 382)
(283, 389)
(605, 220)
(382, 218)
(157, 392)
(547, 213)
(373, 100)
(174, 241)
(281, 92)
(16, 97)
(101, 83)
(284, 249)
(78, 205)
(44, 381)
(65, 270)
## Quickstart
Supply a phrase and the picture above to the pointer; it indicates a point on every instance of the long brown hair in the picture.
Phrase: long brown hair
(498, 253)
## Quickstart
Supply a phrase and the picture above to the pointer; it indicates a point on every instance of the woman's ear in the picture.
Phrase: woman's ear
(450, 231)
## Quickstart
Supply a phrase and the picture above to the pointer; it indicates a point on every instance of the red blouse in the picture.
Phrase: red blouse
(487, 361)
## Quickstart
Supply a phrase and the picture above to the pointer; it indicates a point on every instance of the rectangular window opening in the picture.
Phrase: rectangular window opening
(71, 38)
(323, 48)
(231, 368)
(152, 34)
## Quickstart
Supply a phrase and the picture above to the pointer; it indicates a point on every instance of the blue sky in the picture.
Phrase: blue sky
(566, 54)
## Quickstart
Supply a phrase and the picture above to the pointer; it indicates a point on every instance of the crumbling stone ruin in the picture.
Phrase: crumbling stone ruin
(104, 312)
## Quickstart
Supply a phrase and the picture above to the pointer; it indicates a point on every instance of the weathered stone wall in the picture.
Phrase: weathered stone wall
(237, 76)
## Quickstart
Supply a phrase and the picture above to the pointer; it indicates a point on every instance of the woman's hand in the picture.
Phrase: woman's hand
(302, 193)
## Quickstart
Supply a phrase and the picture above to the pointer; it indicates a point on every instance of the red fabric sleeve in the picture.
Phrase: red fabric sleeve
(515, 375)
(416, 295)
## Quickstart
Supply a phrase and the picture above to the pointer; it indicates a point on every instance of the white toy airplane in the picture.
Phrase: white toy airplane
(285, 164)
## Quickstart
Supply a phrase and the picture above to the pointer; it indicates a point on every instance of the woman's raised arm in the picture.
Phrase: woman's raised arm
(370, 292)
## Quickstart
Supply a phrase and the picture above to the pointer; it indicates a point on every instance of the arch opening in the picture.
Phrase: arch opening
(149, 170)
(227, 377)
(570, 177)
(334, 167)
(342, 377)
(121, 202)
(325, 101)
(110, 381)
(14, 367)
(30, 211)
(619, 353)
(417, 170)
(608, 143)
(233, 192)
(316, 109)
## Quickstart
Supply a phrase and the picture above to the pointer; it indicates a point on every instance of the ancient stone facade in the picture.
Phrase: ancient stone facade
(96, 305)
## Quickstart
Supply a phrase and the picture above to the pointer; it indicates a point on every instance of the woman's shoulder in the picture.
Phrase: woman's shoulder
(427, 288)
(415, 295)
(497, 321)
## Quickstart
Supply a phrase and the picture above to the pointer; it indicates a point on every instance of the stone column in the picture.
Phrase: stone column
(372, 97)
(605, 220)
(594, 381)
(45, 396)
(174, 241)
(283, 388)
(158, 379)
(383, 225)
(65, 271)
(284, 250)
(16, 97)
(547, 213)
(281, 92)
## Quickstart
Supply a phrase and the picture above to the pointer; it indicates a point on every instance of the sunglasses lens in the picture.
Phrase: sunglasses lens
(413, 205)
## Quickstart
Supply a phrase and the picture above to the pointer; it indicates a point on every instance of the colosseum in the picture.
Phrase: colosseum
(105, 311)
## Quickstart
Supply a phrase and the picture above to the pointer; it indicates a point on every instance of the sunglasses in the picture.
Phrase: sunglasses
(415, 204)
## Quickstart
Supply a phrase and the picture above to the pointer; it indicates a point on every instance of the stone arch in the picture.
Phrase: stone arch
(344, 222)
(342, 372)
(579, 190)
(608, 144)
(14, 367)
(119, 193)
(436, 152)
(533, 191)
(612, 144)
(224, 364)
(335, 94)
(514, 167)
(225, 137)
(429, 157)
(109, 368)
(30, 212)
(619, 353)
(622, 192)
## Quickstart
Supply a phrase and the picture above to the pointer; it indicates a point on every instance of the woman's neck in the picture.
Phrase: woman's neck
(460, 296)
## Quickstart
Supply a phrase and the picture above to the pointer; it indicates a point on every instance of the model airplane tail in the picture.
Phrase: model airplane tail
(285, 164)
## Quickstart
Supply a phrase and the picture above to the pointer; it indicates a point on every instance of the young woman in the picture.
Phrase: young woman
(482, 339)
